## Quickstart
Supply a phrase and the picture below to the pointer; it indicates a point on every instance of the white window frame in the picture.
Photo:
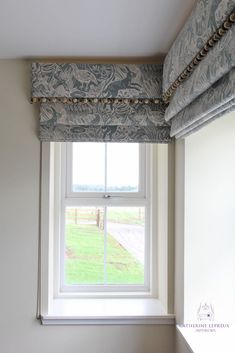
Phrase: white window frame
(135, 199)
(67, 154)
(128, 308)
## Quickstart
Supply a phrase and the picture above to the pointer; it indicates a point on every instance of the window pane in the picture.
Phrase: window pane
(88, 167)
(122, 167)
(84, 245)
(125, 245)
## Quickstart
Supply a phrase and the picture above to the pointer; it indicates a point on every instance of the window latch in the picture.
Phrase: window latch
(106, 196)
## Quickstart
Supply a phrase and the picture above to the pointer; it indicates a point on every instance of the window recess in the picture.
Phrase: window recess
(75, 210)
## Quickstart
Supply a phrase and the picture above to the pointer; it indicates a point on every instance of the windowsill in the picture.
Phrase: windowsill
(107, 311)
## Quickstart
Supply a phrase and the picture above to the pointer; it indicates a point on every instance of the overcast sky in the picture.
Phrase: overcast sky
(122, 164)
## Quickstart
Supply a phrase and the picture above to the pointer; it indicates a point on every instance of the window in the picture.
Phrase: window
(104, 254)
(104, 235)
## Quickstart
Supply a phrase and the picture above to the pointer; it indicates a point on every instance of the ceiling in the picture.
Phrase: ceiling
(90, 28)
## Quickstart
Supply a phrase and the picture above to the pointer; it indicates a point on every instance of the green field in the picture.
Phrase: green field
(130, 215)
(85, 258)
(126, 215)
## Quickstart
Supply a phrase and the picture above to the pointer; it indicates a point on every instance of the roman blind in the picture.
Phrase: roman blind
(198, 74)
(100, 102)
(147, 102)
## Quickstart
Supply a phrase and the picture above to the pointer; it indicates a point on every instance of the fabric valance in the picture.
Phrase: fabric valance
(203, 52)
(100, 102)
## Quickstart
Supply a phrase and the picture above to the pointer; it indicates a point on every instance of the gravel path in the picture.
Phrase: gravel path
(131, 237)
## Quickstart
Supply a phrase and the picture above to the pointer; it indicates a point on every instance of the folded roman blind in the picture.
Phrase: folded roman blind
(100, 102)
(198, 64)
(215, 102)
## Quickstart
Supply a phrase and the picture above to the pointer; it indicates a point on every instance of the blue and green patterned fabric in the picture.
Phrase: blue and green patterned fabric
(97, 80)
(78, 101)
(100, 121)
(206, 17)
(218, 100)
(103, 122)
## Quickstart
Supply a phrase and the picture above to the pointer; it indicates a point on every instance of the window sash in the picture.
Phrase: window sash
(69, 193)
(145, 287)
(74, 199)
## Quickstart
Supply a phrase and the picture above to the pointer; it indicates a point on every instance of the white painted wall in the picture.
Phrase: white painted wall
(179, 231)
(181, 346)
(209, 242)
(19, 208)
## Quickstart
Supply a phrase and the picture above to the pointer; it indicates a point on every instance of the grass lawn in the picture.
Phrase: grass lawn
(85, 258)
(127, 215)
